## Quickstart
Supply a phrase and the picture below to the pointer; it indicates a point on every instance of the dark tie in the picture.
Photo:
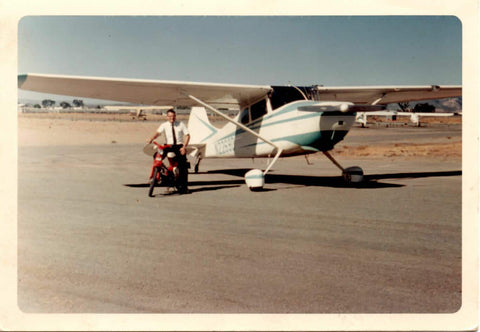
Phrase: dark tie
(173, 133)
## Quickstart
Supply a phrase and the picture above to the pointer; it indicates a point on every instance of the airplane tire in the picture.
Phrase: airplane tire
(353, 175)
(153, 183)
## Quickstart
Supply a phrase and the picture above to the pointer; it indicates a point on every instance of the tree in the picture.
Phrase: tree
(78, 103)
(424, 108)
(405, 106)
(48, 103)
(64, 105)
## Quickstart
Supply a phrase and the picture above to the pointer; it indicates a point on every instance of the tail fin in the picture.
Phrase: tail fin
(199, 126)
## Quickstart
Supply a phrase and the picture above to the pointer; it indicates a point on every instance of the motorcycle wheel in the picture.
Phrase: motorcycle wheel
(153, 183)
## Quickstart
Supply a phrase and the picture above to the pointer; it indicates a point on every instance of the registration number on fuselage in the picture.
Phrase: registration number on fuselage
(225, 145)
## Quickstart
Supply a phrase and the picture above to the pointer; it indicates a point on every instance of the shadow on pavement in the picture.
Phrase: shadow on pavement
(371, 180)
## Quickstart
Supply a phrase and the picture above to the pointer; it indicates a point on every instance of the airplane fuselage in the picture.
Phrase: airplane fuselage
(293, 129)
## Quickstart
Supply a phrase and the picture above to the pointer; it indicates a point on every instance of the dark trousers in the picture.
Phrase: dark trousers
(182, 165)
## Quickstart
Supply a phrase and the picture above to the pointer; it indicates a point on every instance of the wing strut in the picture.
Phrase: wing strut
(240, 125)
(379, 99)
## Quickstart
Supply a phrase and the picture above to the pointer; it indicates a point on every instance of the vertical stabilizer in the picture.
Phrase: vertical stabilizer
(199, 126)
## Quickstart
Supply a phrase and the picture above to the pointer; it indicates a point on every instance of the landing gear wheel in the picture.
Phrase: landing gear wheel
(153, 183)
(255, 180)
(353, 174)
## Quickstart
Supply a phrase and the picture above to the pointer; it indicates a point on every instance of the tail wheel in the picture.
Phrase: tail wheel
(197, 165)
(153, 183)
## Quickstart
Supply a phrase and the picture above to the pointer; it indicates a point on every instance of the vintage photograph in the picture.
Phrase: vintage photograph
(240, 164)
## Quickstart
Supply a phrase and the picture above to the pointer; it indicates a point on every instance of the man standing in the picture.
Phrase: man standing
(177, 135)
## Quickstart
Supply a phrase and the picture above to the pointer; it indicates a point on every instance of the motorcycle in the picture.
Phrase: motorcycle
(165, 170)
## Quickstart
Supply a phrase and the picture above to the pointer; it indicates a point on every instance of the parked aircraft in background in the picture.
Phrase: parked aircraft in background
(274, 121)
(414, 117)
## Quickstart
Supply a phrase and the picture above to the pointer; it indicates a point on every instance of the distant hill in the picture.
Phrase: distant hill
(448, 105)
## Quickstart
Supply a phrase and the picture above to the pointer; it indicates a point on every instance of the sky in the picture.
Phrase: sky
(270, 50)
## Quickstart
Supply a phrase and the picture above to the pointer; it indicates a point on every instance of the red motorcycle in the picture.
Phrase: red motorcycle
(165, 169)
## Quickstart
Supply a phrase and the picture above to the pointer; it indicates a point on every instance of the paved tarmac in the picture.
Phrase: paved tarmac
(90, 240)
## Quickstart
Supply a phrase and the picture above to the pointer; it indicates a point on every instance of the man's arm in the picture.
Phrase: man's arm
(183, 149)
(153, 137)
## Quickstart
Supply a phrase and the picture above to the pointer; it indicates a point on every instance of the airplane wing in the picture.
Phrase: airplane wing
(146, 92)
(175, 93)
(382, 95)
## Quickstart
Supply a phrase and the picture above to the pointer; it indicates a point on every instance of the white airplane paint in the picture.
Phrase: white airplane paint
(274, 121)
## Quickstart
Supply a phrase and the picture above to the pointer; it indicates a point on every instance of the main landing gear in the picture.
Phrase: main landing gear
(255, 178)
(352, 174)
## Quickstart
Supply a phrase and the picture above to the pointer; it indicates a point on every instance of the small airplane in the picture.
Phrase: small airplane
(273, 121)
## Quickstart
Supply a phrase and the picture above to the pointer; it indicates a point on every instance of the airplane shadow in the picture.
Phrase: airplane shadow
(191, 191)
(211, 185)
(307, 181)
(370, 180)
(414, 175)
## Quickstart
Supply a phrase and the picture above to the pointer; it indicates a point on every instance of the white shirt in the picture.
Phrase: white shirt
(180, 131)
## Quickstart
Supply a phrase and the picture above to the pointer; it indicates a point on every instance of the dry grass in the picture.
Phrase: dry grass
(404, 150)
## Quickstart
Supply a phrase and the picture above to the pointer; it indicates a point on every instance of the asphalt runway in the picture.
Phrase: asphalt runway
(90, 240)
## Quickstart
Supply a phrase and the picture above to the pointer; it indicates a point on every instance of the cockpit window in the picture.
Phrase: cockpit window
(258, 109)
(282, 95)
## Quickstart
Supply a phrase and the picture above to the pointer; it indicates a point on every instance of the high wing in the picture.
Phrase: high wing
(146, 92)
(176, 93)
(382, 95)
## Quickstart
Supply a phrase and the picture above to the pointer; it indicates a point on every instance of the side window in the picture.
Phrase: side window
(244, 118)
(258, 109)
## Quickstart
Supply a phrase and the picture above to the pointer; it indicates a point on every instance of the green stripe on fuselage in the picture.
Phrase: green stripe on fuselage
(256, 124)
(318, 140)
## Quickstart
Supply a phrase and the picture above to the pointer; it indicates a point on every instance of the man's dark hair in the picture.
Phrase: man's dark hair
(171, 111)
